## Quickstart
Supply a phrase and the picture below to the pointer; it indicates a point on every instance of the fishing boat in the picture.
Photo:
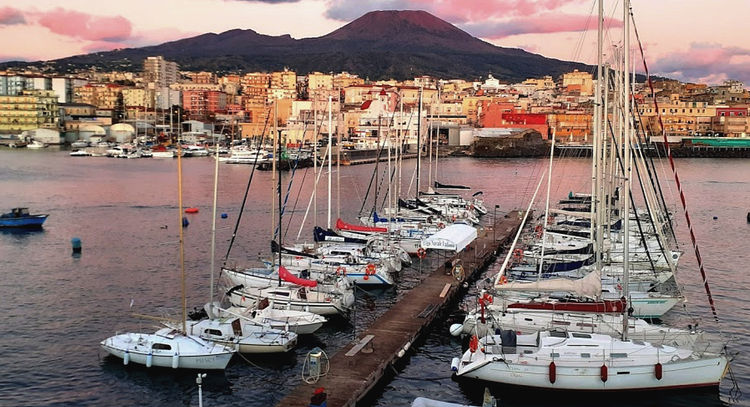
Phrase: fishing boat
(21, 218)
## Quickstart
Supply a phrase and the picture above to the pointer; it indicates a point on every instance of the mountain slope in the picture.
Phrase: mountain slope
(378, 45)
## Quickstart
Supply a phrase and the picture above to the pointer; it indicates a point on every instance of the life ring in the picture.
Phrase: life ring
(503, 279)
(518, 254)
(486, 298)
(539, 230)
(453, 218)
(473, 343)
(458, 272)
(340, 270)
(441, 225)
(370, 269)
(421, 253)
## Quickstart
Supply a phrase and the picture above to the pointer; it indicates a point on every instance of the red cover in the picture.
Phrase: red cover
(616, 306)
(341, 225)
(291, 278)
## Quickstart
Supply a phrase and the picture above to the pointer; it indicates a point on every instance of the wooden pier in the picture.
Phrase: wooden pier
(360, 365)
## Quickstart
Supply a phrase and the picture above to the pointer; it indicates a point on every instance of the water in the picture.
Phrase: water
(58, 307)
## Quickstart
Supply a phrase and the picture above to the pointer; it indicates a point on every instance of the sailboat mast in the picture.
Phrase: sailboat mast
(315, 159)
(596, 184)
(276, 153)
(330, 156)
(626, 188)
(182, 236)
(278, 186)
(419, 137)
(213, 220)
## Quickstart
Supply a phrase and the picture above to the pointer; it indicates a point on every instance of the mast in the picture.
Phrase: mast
(419, 137)
(596, 182)
(626, 187)
(276, 153)
(213, 222)
(315, 160)
(182, 236)
(437, 133)
(330, 156)
(278, 186)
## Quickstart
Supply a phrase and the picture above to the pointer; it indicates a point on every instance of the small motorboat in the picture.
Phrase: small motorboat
(20, 218)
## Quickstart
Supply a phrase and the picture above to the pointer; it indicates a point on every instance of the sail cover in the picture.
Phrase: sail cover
(291, 278)
(449, 186)
(588, 286)
(454, 237)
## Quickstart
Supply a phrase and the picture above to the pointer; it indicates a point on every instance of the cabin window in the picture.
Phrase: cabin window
(619, 355)
(554, 355)
(580, 335)
(214, 332)
(161, 346)
(585, 355)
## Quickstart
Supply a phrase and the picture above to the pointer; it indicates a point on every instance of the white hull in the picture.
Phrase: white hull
(164, 349)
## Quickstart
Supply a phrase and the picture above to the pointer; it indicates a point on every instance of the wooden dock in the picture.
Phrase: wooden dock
(360, 365)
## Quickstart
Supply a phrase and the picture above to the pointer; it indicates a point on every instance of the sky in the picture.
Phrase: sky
(690, 40)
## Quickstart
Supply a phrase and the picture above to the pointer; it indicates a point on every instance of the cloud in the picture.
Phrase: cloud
(454, 11)
(705, 63)
(269, 1)
(541, 24)
(11, 16)
(84, 26)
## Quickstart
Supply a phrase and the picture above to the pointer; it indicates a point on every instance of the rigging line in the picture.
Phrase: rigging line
(698, 256)
(652, 174)
(247, 189)
(626, 216)
(293, 170)
(582, 37)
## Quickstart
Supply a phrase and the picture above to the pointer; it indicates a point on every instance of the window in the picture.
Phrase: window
(618, 355)
(585, 355)
(214, 332)
(161, 346)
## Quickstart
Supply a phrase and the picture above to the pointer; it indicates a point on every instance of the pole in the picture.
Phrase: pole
(330, 156)
(626, 192)
(213, 222)
(182, 236)
(419, 137)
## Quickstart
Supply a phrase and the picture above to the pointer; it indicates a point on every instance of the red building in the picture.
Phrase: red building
(199, 104)
(502, 115)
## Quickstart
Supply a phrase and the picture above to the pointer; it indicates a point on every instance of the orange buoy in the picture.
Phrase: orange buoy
(191, 210)
(603, 373)
(658, 371)
(552, 372)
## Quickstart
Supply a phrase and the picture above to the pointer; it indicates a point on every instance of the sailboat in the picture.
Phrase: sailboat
(170, 346)
(569, 360)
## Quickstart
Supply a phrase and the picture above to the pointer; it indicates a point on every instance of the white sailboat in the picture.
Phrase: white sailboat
(170, 347)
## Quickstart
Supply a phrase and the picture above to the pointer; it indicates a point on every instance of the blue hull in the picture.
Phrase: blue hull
(34, 221)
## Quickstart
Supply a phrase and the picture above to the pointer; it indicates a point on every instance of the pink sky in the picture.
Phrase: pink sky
(691, 40)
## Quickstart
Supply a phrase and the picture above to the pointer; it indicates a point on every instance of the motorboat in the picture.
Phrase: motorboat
(21, 218)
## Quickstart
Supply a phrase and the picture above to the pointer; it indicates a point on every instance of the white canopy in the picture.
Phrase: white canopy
(454, 237)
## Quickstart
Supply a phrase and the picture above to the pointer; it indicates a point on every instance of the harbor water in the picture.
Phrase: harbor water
(59, 306)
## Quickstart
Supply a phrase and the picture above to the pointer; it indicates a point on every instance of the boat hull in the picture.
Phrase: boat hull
(30, 222)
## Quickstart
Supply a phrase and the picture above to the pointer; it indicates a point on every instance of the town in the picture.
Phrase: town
(147, 105)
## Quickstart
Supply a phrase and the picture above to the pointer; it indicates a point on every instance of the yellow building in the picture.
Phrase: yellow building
(137, 97)
(29, 110)
(283, 85)
(317, 80)
(104, 96)
(680, 118)
(345, 79)
(576, 79)
(540, 83)
(471, 109)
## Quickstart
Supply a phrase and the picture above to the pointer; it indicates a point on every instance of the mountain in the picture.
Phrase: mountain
(378, 45)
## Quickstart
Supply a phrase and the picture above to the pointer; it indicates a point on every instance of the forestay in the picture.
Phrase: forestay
(454, 237)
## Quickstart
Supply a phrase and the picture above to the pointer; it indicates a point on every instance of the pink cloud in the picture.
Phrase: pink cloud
(10, 16)
(702, 62)
(85, 26)
(541, 24)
